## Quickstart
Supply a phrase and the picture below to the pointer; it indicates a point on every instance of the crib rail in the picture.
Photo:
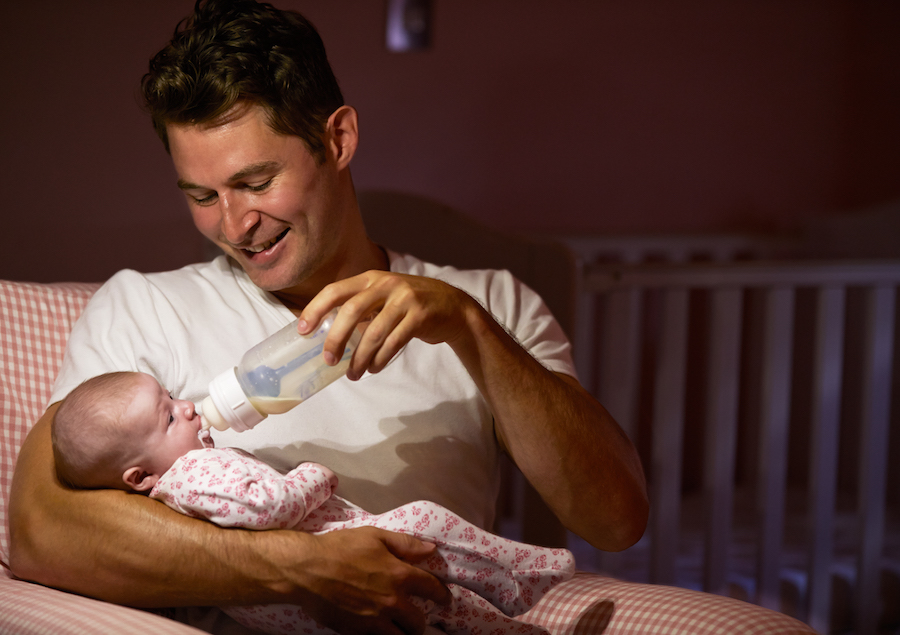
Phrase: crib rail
(769, 357)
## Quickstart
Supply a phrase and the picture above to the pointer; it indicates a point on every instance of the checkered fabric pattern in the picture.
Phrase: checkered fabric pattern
(29, 609)
(36, 320)
(590, 604)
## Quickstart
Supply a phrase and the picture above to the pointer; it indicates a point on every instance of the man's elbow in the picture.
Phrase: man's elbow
(33, 509)
(631, 525)
(25, 561)
(33, 555)
(20, 565)
(622, 524)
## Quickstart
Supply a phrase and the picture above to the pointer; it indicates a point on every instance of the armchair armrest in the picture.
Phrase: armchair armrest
(591, 603)
(31, 609)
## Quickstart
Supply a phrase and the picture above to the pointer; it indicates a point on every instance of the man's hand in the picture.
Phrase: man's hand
(361, 581)
(393, 308)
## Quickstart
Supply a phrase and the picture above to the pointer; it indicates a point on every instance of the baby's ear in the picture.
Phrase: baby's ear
(139, 479)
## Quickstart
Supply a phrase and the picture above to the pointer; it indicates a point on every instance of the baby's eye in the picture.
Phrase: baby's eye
(171, 419)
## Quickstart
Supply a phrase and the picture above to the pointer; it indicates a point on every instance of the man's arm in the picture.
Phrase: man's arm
(562, 439)
(566, 444)
(127, 549)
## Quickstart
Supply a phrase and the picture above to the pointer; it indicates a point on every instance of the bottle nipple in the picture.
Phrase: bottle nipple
(211, 418)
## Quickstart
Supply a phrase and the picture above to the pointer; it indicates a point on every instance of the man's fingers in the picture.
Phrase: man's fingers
(420, 583)
(410, 619)
(428, 587)
(404, 307)
(378, 336)
(369, 583)
(407, 548)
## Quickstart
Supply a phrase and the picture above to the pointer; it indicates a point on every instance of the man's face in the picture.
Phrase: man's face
(262, 198)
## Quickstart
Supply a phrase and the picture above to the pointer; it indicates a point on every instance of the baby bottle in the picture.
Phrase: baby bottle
(280, 372)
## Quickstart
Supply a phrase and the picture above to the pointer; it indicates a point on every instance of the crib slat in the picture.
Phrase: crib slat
(668, 425)
(880, 308)
(823, 460)
(584, 351)
(622, 352)
(721, 433)
(619, 375)
(775, 417)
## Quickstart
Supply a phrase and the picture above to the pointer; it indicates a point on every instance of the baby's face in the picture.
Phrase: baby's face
(165, 428)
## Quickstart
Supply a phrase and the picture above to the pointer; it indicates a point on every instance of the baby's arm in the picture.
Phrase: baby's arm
(235, 489)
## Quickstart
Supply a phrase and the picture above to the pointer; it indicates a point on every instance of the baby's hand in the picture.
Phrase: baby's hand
(206, 439)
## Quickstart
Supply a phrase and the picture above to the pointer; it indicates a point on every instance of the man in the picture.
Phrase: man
(246, 104)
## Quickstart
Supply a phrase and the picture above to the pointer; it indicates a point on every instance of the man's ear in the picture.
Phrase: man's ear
(343, 134)
(139, 479)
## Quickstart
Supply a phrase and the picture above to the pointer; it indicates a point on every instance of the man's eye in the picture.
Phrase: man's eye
(206, 200)
(261, 187)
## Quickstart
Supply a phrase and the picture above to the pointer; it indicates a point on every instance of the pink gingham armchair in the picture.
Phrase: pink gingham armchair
(36, 320)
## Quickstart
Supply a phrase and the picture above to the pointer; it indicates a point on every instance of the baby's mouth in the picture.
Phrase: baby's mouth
(206, 438)
(266, 245)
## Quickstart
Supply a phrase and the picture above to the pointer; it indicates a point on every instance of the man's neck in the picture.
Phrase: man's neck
(374, 257)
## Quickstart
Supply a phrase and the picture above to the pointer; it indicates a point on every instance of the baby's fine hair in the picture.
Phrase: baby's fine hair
(86, 431)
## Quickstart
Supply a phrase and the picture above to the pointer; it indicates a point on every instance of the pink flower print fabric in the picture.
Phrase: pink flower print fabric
(232, 488)
(490, 578)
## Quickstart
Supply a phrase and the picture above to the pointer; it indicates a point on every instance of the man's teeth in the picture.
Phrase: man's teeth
(264, 246)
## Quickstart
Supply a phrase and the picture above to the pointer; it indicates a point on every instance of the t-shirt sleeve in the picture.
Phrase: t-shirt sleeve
(525, 316)
(521, 311)
(119, 330)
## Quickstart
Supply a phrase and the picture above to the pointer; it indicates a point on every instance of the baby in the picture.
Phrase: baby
(124, 430)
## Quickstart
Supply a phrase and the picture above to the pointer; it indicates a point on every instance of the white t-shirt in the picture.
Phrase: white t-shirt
(418, 430)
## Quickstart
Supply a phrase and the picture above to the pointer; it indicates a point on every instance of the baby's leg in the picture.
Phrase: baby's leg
(512, 575)
(468, 612)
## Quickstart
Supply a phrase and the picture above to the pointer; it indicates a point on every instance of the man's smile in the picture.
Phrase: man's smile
(266, 245)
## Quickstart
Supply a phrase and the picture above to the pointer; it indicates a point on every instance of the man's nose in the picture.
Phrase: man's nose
(238, 218)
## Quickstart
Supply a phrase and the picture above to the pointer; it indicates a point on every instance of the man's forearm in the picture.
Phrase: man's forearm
(566, 444)
(123, 547)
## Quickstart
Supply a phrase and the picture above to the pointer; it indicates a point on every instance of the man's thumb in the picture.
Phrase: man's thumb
(409, 548)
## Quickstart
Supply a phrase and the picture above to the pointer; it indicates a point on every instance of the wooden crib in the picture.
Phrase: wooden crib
(759, 393)
(708, 358)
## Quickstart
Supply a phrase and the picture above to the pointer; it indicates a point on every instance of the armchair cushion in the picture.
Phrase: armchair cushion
(36, 319)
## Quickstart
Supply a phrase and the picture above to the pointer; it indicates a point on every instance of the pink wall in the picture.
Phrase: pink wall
(583, 115)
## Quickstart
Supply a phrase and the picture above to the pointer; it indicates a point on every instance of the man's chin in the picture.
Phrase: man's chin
(278, 283)
(266, 277)
(280, 277)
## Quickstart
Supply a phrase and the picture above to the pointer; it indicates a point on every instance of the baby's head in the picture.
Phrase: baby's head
(121, 430)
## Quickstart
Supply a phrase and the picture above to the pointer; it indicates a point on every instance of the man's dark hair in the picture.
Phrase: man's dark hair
(233, 53)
